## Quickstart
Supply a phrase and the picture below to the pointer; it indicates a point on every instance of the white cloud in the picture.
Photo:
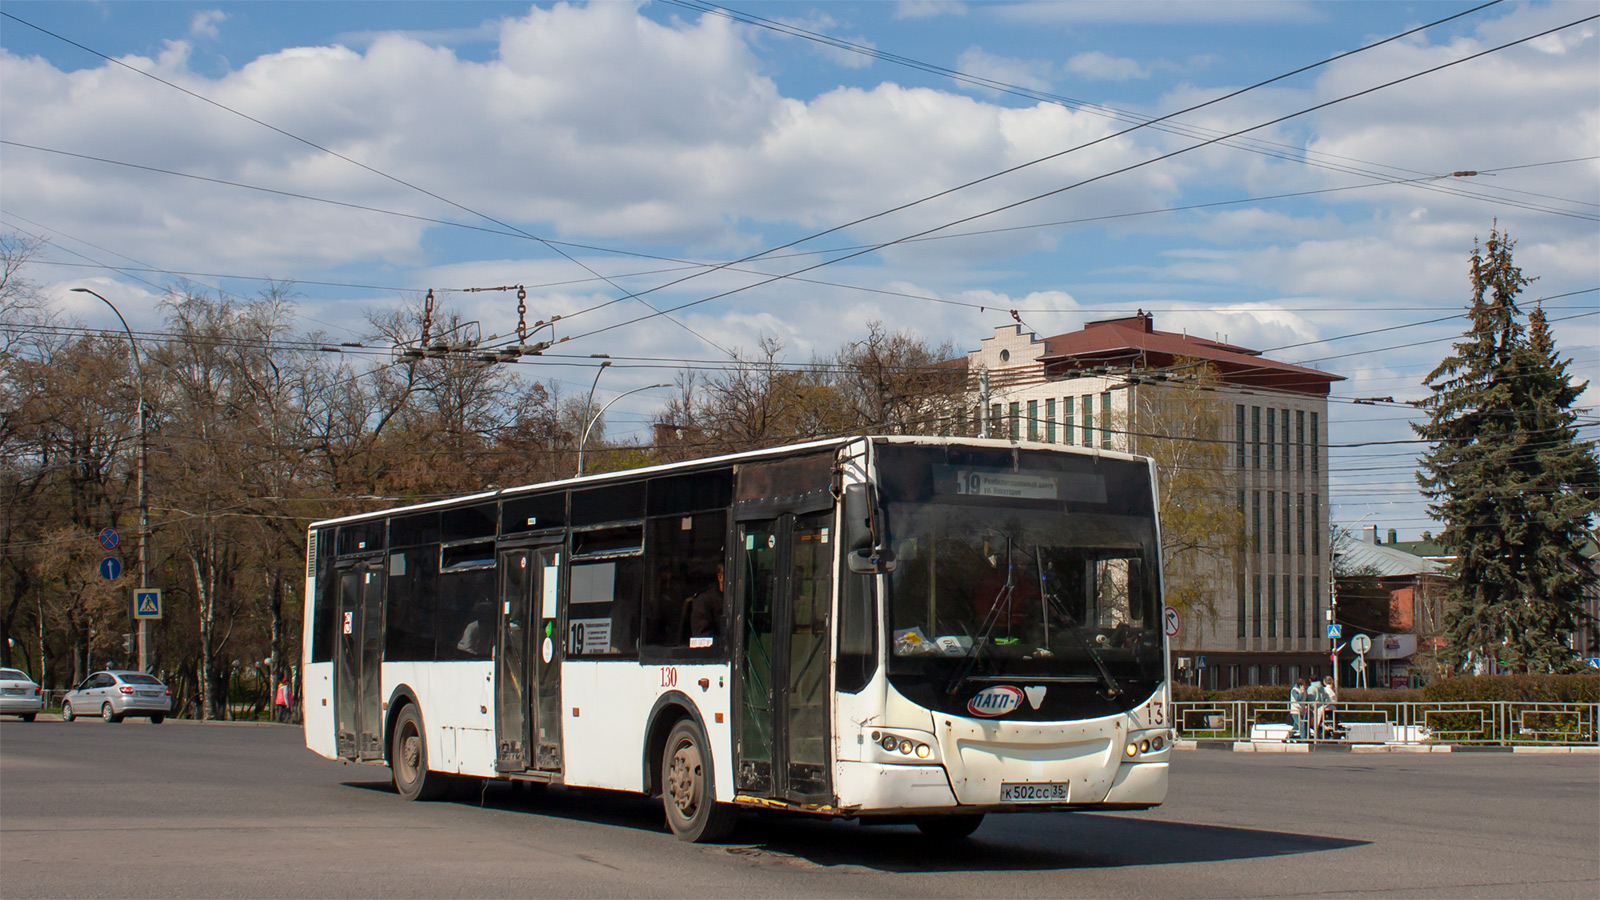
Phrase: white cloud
(927, 9)
(598, 124)
(204, 24)
(1157, 12)
(1033, 74)
(1104, 67)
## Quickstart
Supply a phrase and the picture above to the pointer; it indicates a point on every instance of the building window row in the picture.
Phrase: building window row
(1277, 444)
(1299, 520)
(1076, 429)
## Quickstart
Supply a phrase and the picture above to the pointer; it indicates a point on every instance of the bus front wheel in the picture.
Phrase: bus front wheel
(688, 790)
(950, 828)
(408, 759)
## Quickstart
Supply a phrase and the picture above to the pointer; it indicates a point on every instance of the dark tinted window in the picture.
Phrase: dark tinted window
(695, 492)
(469, 522)
(412, 584)
(608, 541)
(136, 678)
(473, 555)
(858, 631)
(417, 528)
(325, 608)
(360, 537)
(612, 503)
(465, 621)
(684, 597)
(534, 513)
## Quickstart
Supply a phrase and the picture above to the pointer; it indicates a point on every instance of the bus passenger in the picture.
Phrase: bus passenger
(475, 637)
(705, 610)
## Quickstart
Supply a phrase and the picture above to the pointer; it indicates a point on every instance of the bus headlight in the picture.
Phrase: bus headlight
(1131, 750)
(903, 747)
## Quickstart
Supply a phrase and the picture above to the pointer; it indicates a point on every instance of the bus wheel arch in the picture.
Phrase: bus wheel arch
(398, 699)
(670, 709)
(406, 747)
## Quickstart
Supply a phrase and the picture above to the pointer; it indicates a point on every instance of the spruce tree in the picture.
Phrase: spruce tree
(1563, 497)
(1510, 480)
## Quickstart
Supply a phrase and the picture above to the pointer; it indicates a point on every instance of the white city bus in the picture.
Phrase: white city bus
(921, 630)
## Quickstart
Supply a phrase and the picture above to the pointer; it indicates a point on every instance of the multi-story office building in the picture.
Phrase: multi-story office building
(1265, 622)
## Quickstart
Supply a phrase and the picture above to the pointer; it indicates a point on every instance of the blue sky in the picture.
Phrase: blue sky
(663, 131)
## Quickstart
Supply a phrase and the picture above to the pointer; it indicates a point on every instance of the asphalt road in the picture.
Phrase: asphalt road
(182, 809)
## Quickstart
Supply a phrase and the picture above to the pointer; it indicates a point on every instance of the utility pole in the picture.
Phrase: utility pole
(144, 496)
(983, 403)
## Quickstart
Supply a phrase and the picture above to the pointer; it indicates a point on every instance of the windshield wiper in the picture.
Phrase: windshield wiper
(1052, 599)
(970, 658)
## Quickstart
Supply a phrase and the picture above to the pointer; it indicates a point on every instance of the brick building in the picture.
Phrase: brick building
(1086, 388)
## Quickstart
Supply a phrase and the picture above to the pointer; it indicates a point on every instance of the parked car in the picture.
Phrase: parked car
(114, 694)
(19, 696)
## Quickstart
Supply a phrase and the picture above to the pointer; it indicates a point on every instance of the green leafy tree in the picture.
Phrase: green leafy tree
(1513, 484)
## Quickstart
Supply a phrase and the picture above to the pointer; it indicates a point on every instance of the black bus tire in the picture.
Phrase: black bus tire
(950, 828)
(408, 759)
(688, 788)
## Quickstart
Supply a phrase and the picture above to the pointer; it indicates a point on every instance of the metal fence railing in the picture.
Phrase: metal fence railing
(1460, 722)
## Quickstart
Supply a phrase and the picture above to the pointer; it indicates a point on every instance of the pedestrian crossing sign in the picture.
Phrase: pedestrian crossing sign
(1333, 631)
(147, 603)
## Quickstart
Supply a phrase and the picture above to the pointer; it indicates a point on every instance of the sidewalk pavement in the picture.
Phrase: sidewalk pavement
(1395, 747)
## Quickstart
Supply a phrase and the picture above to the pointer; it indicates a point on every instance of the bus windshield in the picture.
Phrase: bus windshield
(1027, 567)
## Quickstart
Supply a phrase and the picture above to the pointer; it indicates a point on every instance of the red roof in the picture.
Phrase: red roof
(1134, 342)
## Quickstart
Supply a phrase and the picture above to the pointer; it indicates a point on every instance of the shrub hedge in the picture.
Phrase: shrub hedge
(1521, 688)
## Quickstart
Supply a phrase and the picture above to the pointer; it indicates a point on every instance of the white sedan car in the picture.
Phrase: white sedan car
(19, 696)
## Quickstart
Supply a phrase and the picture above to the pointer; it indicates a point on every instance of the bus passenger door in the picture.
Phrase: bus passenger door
(513, 701)
(358, 708)
(527, 689)
(785, 593)
(545, 566)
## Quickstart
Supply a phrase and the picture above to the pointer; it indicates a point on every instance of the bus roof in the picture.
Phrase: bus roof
(726, 459)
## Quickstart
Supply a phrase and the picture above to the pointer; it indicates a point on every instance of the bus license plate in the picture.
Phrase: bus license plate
(1046, 792)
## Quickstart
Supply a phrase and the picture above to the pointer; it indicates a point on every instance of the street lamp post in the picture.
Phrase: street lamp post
(588, 405)
(585, 438)
(144, 496)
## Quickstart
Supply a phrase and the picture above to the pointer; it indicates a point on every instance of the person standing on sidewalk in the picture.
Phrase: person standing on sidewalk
(1298, 695)
(283, 702)
(1325, 696)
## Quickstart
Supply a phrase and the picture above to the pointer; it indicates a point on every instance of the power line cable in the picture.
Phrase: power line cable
(1105, 175)
(400, 181)
(1273, 149)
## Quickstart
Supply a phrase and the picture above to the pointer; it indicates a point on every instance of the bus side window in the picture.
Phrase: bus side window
(603, 607)
(858, 631)
(684, 603)
(325, 609)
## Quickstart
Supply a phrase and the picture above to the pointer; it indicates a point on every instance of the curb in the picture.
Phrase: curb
(171, 720)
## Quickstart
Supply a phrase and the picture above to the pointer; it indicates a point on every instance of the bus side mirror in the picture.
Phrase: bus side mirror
(866, 550)
(860, 518)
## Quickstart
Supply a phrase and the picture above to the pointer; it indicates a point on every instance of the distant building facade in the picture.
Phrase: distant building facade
(1085, 388)
(1408, 631)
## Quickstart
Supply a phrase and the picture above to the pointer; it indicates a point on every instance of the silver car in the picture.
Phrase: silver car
(19, 696)
(114, 694)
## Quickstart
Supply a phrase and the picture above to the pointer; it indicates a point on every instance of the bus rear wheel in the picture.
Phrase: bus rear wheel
(950, 828)
(408, 759)
(688, 791)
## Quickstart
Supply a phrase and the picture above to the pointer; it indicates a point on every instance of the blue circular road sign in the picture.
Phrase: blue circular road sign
(110, 568)
(109, 538)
